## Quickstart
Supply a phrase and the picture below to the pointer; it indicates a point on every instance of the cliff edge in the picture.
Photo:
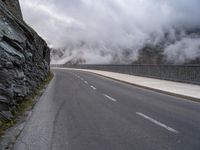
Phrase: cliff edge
(24, 58)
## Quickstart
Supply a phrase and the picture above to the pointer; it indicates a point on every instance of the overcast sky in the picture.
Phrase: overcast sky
(98, 30)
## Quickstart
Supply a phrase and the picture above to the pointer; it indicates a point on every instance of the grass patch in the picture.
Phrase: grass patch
(24, 105)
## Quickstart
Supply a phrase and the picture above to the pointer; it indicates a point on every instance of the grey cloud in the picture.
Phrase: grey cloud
(105, 31)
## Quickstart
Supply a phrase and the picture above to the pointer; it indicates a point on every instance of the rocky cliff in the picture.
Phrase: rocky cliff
(24, 58)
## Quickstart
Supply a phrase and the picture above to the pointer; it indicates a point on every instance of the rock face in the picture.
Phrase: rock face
(24, 58)
(14, 7)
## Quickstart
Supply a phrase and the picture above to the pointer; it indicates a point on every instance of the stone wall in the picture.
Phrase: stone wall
(24, 58)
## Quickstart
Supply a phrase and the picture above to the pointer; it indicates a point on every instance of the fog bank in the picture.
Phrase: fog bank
(114, 31)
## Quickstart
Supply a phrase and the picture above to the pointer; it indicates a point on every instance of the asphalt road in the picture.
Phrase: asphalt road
(83, 111)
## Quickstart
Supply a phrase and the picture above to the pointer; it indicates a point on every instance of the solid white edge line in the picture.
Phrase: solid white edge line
(157, 122)
(110, 98)
(93, 87)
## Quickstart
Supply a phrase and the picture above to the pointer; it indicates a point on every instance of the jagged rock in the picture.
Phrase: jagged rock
(3, 99)
(24, 57)
(13, 6)
(6, 115)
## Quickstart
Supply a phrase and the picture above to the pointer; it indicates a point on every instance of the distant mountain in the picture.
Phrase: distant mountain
(177, 48)
(155, 54)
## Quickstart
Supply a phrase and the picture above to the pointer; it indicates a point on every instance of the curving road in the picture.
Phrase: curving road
(83, 111)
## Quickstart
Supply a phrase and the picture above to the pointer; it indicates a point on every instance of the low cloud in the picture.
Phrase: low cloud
(183, 51)
(113, 31)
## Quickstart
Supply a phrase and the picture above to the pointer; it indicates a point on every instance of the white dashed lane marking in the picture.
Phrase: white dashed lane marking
(93, 87)
(110, 98)
(157, 122)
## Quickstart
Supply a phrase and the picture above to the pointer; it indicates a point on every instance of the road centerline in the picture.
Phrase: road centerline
(157, 123)
(94, 88)
(110, 98)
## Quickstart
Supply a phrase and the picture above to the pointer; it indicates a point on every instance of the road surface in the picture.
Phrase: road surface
(83, 111)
